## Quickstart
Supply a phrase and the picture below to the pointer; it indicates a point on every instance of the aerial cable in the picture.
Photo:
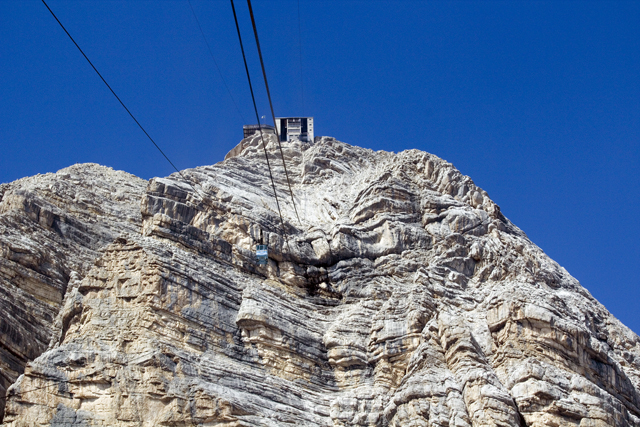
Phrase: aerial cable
(122, 103)
(214, 61)
(255, 108)
(300, 49)
(264, 73)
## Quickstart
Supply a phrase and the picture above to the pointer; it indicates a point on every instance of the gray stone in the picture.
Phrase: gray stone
(402, 297)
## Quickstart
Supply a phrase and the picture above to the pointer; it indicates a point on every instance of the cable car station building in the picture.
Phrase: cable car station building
(289, 129)
(295, 128)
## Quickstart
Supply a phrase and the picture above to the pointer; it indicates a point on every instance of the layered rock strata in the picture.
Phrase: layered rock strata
(51, 229)
(401, 297)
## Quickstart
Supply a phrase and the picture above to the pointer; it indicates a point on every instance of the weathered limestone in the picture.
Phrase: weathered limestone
(402, 297)
(51, 227)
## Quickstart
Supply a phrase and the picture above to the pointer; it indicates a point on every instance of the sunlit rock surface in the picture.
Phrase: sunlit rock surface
(51, 229)
(400, 297)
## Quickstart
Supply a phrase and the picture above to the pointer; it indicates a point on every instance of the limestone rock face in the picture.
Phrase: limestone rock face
(51, 228)
(400, 297)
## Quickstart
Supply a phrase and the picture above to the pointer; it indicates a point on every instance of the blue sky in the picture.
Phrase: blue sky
(539, 102)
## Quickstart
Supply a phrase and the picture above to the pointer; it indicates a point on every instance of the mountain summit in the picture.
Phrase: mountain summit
(400, 297)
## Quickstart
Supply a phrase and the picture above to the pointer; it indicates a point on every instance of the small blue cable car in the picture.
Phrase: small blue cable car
(262, 252)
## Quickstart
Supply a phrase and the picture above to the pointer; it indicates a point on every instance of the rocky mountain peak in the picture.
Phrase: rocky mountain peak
(398, 295)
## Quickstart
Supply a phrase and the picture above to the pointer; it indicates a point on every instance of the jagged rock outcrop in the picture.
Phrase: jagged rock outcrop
(51, 229)
(402, 297)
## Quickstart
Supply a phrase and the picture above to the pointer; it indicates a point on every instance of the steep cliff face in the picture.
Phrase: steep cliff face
(402, 297)
(51, 227)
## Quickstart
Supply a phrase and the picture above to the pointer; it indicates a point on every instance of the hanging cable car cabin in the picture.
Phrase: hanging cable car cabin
(262, 252)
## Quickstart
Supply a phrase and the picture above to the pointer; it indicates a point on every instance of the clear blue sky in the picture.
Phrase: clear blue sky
(539, 102)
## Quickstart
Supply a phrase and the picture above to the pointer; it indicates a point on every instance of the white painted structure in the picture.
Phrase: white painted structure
(295, 128)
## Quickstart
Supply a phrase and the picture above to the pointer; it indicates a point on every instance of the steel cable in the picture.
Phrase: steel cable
(122, 103)
(264, 73)
(255, 108)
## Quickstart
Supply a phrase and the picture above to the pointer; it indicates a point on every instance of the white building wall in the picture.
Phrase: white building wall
(310, 129)
(295, 132)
